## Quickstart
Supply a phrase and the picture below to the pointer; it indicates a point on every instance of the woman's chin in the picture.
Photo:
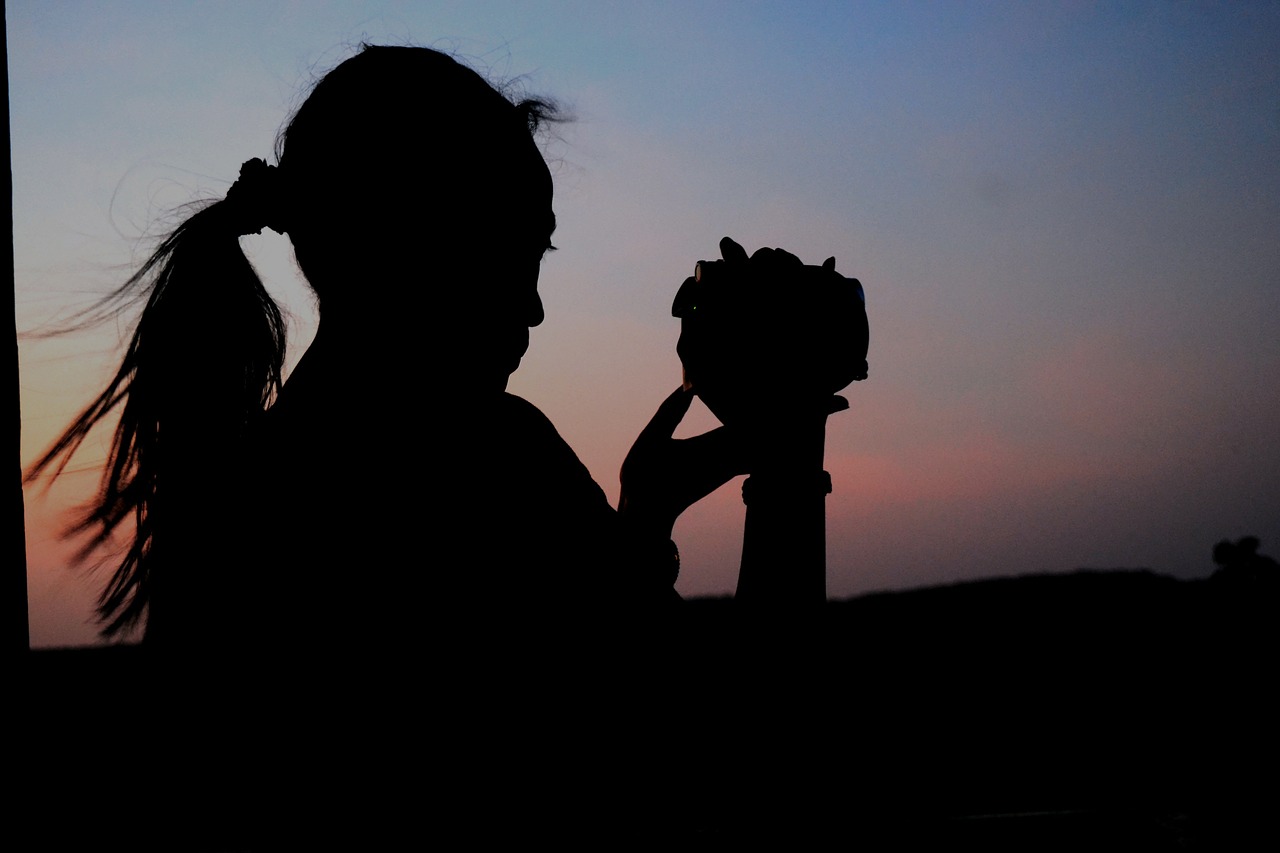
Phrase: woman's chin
(492, 381)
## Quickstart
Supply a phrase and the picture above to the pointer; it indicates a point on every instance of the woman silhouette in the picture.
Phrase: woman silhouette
(391, 483)
(392, 500)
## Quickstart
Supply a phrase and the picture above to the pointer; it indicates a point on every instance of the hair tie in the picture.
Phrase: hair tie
(254, 199)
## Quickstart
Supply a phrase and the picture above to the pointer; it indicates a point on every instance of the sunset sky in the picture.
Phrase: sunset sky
(1066, 217)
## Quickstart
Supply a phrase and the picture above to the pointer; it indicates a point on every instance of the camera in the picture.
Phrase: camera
(768, 331)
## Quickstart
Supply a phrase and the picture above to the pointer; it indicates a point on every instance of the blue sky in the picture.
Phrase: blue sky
(1065, 216)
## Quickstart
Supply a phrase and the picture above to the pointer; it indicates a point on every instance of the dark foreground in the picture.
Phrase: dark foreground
(1123, 710)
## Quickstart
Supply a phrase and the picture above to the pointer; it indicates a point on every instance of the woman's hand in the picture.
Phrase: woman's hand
(663, 476)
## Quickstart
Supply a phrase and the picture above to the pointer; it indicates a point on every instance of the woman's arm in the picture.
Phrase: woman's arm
(766, 341)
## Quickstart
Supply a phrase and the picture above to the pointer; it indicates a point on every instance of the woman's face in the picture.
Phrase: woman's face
(430, 263)
(499, 301)
(451, 293)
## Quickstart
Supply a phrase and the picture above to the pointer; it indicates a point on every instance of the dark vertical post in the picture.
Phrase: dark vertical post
(14, 595)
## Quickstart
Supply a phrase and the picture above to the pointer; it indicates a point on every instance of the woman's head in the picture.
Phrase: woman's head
(410, 180)
(407, 145)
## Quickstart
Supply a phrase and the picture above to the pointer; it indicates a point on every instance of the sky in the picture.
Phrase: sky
(1065, 216)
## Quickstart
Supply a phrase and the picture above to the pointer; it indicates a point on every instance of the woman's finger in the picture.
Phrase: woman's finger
(732, 252)
(669, 415)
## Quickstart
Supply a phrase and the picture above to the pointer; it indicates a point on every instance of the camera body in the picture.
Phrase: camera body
(770, 331)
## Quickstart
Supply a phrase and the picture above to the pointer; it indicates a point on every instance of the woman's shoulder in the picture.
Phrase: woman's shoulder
(540, 470)
(523, 428)
(516, 421)
(519, 408)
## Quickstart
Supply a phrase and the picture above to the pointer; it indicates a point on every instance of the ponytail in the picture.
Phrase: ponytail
(203, 365)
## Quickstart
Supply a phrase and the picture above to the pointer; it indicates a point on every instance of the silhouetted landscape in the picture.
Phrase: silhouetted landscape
(1120, 707)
